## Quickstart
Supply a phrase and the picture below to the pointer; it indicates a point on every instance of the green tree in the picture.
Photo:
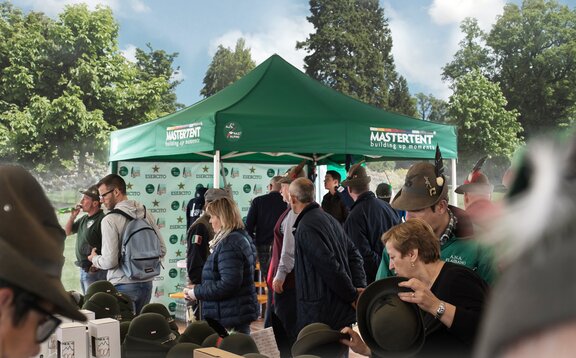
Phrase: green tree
(477, 108)
(227, 67)
(400, 100)
(535, 52)
(159, 64)
(472, 54)
(64, 85)
(430, 108)
(350, 50)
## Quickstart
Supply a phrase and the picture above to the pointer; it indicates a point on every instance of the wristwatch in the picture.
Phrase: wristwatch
(440, 311)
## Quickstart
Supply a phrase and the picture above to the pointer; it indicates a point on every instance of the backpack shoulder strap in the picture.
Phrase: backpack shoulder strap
(118, 211)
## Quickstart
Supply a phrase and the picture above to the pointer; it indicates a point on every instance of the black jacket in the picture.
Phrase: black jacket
(263, 215)
(369, 218)
(227, 290)
(328, 269)
(198, 237)
(333, 205)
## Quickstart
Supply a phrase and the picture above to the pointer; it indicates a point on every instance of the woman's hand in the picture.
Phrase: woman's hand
(355, 342)
(189, 293)
(426, 300)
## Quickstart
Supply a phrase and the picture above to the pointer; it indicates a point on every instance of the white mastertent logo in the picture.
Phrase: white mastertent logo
(401, 139)
(185, 134)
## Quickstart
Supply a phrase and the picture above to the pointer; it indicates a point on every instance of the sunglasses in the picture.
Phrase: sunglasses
(47, 326)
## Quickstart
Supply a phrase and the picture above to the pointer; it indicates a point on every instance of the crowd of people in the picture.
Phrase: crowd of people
(418, 275)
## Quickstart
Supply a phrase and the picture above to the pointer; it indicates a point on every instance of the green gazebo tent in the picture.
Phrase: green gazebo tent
(277, 114)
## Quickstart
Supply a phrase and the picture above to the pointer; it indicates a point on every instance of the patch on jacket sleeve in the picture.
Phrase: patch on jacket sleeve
(196, 239)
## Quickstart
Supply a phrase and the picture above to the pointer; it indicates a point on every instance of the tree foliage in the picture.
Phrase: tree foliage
(64, 85)
(477, 108)
(351, 51)
(531, 52)
(535, 52)
(430, 108)
(472, 54)
(227, 67)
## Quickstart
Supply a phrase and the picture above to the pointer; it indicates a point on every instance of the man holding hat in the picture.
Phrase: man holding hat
(89, 235)
(425, 196)
(328, 267)
(31, 260)
(369, 218)
(112, 189)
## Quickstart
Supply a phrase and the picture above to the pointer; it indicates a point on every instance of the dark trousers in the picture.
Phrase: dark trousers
(284, 320)
(264, 252)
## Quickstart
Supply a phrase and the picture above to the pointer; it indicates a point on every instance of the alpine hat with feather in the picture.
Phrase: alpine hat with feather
(424, 186)
(356, 176)
(476, 181)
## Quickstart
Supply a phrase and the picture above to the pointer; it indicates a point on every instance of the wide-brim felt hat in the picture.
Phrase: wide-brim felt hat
(182, 350)
(32, 241)
(293, 173)
(388, 325)
(422, 188)
(100, 286)
(356, 176)
(161, 309)
(475, 183)
(151, 327)
(238, 343)
(196, 332)
(319, 339)
(104, 305)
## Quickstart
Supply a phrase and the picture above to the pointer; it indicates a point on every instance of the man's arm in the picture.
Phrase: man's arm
(110, 242)
(70, 226)
(286, 261)
(251, 219)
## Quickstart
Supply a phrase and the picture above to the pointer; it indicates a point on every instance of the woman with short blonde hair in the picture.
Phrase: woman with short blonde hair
(227, 292)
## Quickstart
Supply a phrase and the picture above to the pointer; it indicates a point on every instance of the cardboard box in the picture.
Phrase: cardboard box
(71, 340)
(89, 314)
(104, 336)
(213, 352)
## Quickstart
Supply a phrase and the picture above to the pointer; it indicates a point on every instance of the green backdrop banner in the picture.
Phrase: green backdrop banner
(165, 189)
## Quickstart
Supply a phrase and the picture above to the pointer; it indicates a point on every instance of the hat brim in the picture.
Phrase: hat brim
(475, 188)
(377, 289)
(357, 181)
(316, 339)
(91, 195)
(18, 270)
(406, 202)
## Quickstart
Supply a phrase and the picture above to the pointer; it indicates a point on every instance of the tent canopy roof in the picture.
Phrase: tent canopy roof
(277, 114)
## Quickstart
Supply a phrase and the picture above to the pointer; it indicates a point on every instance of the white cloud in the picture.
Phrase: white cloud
(278, 37)
(138, 6)
(447, 12)
(54, 7)
(419, 56)
(129, 53)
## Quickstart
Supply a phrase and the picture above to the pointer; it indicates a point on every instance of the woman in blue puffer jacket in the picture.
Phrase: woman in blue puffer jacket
(227, 291)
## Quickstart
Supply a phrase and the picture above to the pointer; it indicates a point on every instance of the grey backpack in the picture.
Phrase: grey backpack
(140, 251)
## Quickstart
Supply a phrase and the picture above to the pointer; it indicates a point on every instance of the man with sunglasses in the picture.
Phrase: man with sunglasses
(112, 189)
(31, 260)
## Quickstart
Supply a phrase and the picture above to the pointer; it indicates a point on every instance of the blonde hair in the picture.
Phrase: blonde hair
(228, 213)
(414, 234)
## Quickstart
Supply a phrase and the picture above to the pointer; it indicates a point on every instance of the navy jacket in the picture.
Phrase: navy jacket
(263, 215)
(369, 218)
(227, 290)
(328, 269)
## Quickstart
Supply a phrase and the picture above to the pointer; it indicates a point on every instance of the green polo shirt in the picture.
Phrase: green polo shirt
(467, 252)
(89, 235)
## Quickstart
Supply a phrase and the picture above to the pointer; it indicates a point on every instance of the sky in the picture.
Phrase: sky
(425, 33)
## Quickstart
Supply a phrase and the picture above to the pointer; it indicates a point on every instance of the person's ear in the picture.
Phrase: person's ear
(6, 297)
(413, 255)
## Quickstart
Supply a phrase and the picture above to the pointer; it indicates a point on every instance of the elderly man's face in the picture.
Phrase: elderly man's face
(285, 193)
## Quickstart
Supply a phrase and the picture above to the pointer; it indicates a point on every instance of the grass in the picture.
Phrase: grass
(70, 272)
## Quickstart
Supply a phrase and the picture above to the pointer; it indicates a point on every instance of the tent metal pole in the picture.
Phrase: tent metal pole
(216, 181)
(453, 199)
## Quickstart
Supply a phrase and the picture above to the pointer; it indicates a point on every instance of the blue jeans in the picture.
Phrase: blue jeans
(88, 278)
(139, 292)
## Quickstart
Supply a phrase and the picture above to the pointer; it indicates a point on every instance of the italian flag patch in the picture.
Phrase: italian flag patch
(196, 239)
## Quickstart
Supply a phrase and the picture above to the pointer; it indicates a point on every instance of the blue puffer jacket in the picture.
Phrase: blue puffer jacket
(227, 290)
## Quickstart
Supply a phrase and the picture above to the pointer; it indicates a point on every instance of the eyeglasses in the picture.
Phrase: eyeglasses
(106, 193)
(47, 326)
